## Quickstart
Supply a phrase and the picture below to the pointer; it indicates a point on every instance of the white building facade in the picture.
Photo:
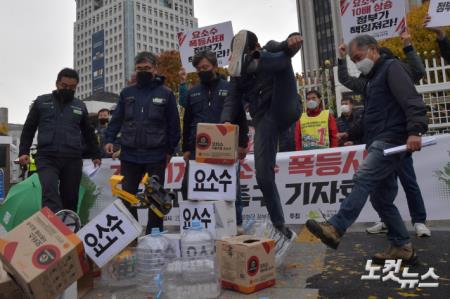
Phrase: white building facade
(109, 33)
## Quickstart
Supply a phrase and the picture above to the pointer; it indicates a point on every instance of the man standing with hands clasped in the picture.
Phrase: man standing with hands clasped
(147, 118)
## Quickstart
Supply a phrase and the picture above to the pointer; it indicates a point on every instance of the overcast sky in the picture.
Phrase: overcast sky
(37, 40)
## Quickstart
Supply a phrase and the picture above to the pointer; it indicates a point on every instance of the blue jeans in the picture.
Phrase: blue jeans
(376, 176)
(268, 126)
(413, 194)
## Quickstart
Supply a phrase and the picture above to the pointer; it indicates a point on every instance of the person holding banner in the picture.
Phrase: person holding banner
(264, 78)
(204, 104)
(394, 114)
(316, 128)
(147, 118)
(405, 172)
(442, 39)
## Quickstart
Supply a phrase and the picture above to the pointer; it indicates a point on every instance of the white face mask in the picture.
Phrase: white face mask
(311, 104)
(345, 109)
(365, 65)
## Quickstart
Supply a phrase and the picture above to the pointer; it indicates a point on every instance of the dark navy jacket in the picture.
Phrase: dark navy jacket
(204, 104)
(60, 128)
(393, 109)
(148, 121)
(256, 89)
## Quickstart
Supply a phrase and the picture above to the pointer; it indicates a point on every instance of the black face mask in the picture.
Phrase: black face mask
(66, 95)
(144, 78)
(103, 121)
(206, 76)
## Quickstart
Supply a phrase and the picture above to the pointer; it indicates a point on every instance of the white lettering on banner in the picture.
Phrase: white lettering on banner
(108, 233)
(315, 180)
(440, 13)
(379, 18)
(216, 38)
(211, 181)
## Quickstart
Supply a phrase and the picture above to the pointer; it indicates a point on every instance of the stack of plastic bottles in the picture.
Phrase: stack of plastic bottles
(195, 274)
(150, 263)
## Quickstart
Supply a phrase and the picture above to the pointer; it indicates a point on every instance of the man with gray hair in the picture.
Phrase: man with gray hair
(147, 118)
(394, 114)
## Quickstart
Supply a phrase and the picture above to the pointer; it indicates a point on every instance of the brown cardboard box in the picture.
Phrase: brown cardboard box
(86, 283)
(43, 255)
(8, 288)
(216, 143)
(246, 263)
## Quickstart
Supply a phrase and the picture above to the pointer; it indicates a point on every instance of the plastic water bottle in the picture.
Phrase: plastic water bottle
(197, 242)
(258, 227)
(176, 286)
(121, 270)
(197, 251)
(150, 263)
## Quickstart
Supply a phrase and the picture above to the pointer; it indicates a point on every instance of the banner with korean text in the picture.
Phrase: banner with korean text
(381, 19)
(318, 180)
(216, 38)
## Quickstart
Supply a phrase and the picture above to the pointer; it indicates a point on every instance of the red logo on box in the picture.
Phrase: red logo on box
(253, 266)
(203, 141)
(45, 256)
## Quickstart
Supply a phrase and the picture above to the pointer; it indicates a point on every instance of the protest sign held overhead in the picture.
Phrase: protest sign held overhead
(381, 19)
(216, 38)
(439, 12)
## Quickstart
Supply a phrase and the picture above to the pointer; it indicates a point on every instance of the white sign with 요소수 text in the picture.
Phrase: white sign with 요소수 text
(381, 19)
(212, 181)
(202, 211)
(109, 233)
(439, 12)
(216, 38)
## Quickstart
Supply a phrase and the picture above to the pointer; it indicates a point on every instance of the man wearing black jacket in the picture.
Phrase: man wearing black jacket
(406, 173)
(394, 114)
(147, 118)
(61, 120)
(264, 78)
(204, 104)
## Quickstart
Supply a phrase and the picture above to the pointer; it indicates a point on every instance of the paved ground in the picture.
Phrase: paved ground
(313, 271)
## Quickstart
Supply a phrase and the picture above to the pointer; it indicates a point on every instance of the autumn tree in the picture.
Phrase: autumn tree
(423, 40)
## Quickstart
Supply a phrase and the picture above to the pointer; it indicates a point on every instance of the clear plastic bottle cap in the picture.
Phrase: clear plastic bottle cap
(155, 232)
